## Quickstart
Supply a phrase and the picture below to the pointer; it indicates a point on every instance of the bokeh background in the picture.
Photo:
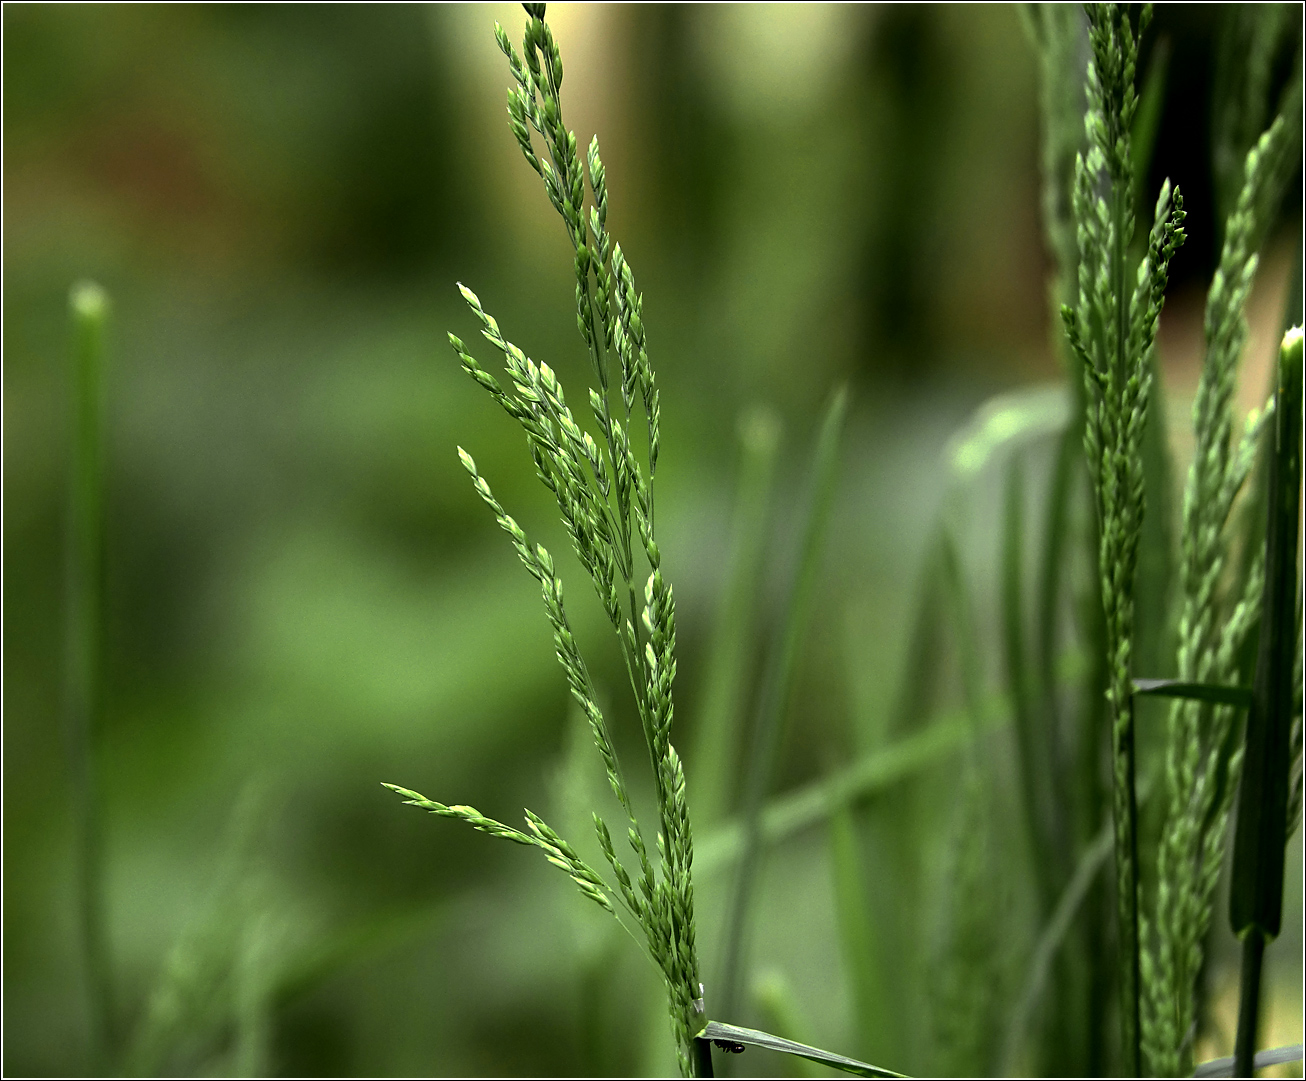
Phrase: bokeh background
(306, 598)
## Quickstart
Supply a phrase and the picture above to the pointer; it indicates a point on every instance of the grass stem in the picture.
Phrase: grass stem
(1249, 1004)
(82, 685)
(781, 662)
(725, 698)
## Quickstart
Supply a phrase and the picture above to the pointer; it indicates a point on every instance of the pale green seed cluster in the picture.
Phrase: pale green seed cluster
(605, 496)
(1202, 755)
(1113, 333)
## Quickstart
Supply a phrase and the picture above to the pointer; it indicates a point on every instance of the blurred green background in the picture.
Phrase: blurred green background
(306, 598)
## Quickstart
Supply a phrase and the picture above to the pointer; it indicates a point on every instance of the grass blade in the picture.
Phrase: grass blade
(866, 969)
(751, 1037)
(781, 662)
(725, 698)
(1256, 894)
(813, 803)
(1223, 1067)
(1050, 941)
(774, 999)
(1036, 762)
(1195, 692)
(84, 554)
(1293, 307)
(1052, 572)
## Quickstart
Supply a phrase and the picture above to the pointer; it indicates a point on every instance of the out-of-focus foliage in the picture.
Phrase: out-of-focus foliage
(305, 597)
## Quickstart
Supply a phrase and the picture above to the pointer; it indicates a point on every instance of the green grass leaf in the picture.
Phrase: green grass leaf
(1223, 1067)
(1050, 941)
(867, 973)
(1256, 896)
(751, 1037)
(786, 815)
(1256, 891)
(1194, 692)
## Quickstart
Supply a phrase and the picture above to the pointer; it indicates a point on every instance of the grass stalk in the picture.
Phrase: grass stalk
(82, 686)
(961, 616)
(1050, 941)
(780, 665)
(1034, 700)
(784, 816)
(725, 698)
(1035, 755)
(862, 959)
(1249, 1003)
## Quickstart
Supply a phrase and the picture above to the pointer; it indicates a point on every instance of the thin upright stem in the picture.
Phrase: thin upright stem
(702, 1064)
(1249, 1004)
(1127, 892)
(775, 697)
(1121, 630)
(81, 697)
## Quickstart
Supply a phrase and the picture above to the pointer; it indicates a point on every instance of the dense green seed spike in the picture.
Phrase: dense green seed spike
(1202, 759)
(1112, 331)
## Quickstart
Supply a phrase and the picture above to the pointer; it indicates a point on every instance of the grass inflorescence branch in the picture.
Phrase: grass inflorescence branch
(604, 494)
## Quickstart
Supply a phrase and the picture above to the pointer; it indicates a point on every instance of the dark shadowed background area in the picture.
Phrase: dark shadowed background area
(305, 597)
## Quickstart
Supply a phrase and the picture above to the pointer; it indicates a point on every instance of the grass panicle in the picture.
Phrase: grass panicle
(857, 931)
(1112, 331)
(1201, 757)
(605, 498)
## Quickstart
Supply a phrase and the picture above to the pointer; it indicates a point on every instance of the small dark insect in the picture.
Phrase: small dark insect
(729, 1047)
